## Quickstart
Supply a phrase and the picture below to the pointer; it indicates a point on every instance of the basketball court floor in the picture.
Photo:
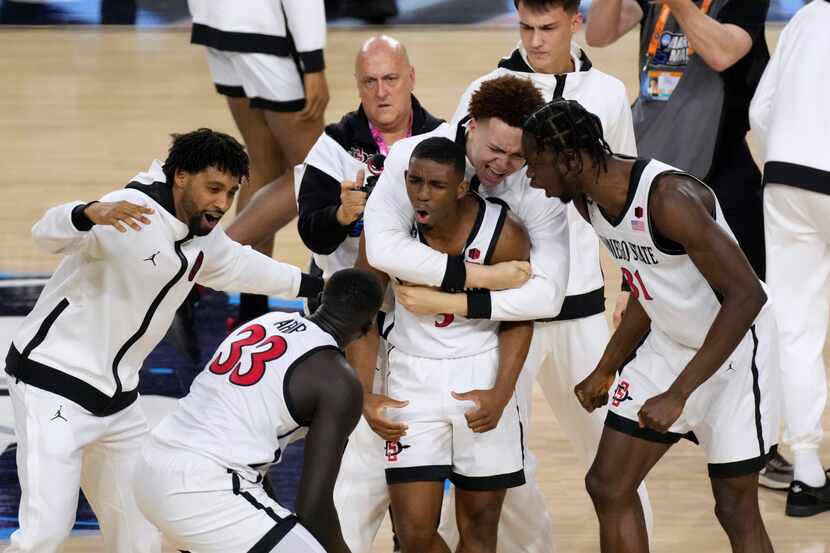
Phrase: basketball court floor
(83, 110)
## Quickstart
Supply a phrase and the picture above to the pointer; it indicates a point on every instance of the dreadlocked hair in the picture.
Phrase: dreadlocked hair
(198, 150)
(565, 127)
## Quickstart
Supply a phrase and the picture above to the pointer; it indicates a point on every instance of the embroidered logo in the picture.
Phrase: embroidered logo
(621, 394)
(58, 415)
(152, 258)
(393, 449)
(474, 253)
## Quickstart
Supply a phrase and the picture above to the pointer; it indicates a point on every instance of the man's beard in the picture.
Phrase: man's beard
(196, 226)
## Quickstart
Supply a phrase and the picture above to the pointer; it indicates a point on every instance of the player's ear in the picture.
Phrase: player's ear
(180, 178)
(463, 188)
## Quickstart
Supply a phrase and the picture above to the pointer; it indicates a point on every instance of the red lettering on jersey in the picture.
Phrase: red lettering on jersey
(445, 320)
(276, 348)
(635, 290)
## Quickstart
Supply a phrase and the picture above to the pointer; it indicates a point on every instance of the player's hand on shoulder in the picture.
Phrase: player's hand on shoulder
(121, 214)
(374, 406)
(489, 406)
(662, 411)
(592, 392)
(352, 200)
(316, 96)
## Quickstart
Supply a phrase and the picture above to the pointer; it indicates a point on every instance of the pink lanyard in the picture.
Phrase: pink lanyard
(378, 137)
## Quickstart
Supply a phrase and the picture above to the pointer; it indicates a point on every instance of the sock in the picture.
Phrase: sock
(807, 468)
(252, 306)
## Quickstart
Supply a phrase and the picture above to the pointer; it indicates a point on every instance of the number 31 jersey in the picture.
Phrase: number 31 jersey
(673, 292)
(237, 412)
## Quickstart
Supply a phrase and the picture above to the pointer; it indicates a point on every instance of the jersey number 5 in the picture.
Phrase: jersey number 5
(636, 287)
(267, 349)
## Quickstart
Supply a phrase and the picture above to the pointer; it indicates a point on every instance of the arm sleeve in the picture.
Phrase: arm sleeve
(319, 197)
(761, 105)
(307, 23)
(64, 229)
(232, 267)
(390, 246)
(541, 296)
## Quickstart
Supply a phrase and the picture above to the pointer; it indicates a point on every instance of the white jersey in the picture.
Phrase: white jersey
(604, 96)
(237, 412)
(673, 292)
(448, 336)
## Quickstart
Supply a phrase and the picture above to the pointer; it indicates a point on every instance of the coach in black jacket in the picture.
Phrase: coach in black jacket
(345, 157)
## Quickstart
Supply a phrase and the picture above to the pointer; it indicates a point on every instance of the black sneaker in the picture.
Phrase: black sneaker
(777, 474)
(806, 501)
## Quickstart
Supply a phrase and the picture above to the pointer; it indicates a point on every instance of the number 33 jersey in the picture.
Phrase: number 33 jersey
(673, 292)
(238, 412)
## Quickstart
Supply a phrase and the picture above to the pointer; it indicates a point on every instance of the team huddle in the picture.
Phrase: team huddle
(455, 265)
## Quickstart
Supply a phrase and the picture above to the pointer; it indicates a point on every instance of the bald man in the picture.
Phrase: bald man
(331, 200)
(329, 195)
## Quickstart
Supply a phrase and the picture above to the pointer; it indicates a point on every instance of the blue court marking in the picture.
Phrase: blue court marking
(162, 370)
(274, 303)
(16, 276)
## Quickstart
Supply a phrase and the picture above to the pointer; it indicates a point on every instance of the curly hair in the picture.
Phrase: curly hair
(203, 148)
(570, 6)
(511, 99)
(564, 126)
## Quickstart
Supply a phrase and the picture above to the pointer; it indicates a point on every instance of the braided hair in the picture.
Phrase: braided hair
(565, 127)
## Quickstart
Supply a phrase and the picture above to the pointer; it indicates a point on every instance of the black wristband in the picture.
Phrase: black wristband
(313, 61)
(310, 286)
(456, 274)
(79, 219)
(479, 305)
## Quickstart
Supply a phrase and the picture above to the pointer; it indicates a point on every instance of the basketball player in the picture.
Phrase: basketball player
(709, 368)
(565, 348)
(276, 380)
(452, 379)
(266, 58)
(75, 360)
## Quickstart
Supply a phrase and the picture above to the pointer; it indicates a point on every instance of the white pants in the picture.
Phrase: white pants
(797, 225)
(201, 507)
(61, 447)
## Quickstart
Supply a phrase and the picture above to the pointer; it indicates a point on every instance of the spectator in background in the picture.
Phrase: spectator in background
(266, 56)
(707, 57)
(790, 115)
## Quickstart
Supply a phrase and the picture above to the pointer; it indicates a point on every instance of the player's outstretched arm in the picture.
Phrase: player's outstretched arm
(326, 393)
(681, 209)
(67, 228)
(232, 267)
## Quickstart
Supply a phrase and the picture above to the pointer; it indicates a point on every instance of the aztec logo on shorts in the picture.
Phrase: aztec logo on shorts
(621, 393)
(444, 320)
(393, 449)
